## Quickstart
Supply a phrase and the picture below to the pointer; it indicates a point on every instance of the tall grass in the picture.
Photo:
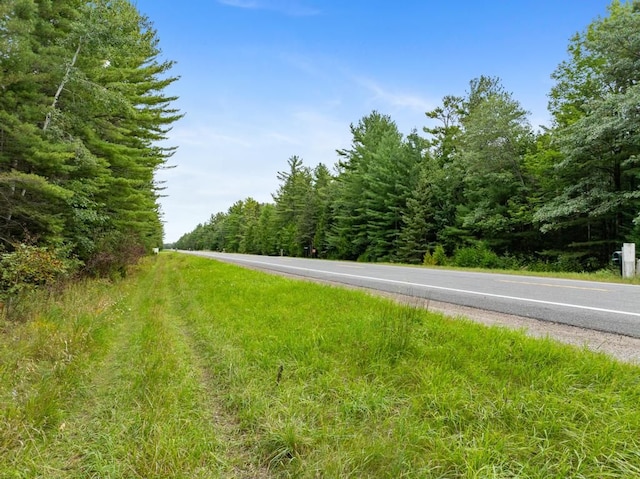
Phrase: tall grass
(372, 389)
(192, 368)
(43, 360)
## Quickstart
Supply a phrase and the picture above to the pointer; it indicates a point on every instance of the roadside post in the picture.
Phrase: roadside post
(628, 260)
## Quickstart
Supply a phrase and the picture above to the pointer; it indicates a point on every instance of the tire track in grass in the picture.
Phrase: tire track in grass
(143, 415)
(238, 451)
(240, 459)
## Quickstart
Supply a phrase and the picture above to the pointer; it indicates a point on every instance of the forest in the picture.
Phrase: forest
(479, 186)
(83, 110)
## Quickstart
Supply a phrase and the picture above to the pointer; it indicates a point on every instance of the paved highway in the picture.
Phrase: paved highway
(609, 307)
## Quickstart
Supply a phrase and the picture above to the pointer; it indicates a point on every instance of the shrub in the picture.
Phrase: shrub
(478, 256)
(568, 262)
(28, 267)
(428, 260)
(439, 255)
(437, 258)
(113, 255)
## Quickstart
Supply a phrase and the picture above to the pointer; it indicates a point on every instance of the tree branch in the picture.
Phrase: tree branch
(64, 81)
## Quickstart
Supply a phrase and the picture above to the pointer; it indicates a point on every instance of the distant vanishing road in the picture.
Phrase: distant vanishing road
(609, 307)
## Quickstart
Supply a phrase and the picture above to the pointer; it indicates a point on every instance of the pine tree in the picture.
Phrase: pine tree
(81, 115)
(595, 106)
(375, 180)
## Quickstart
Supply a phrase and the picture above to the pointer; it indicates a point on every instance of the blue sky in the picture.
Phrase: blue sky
(263, 80)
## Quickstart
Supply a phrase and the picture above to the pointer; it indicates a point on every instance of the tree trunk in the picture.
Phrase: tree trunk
(64, 81)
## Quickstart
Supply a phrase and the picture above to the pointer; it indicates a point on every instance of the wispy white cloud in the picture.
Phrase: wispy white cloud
(323, 134)
(302, 63)
(294, 8)
(395, 98)
(278, 137)
(240, 3)
(222, 160)
(207, 136)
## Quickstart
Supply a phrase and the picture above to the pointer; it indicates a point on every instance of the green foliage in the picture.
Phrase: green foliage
(115, 253)
(493, 142)
(78, 141)
(377, 176)
(296, 224)
(595, 200)
(428, 259)
(478, 256)
(295, 208)
(28, 267)
(437, 258)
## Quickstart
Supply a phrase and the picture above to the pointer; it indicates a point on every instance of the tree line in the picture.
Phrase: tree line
(82, 109)
(480, 183)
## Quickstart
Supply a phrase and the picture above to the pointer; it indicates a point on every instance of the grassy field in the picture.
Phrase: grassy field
(197, 369)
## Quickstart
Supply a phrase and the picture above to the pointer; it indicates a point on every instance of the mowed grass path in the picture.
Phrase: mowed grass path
(194, 368)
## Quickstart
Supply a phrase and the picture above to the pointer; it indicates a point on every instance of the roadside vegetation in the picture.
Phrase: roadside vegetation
(192, 368)
(480, 258)
(82, 111)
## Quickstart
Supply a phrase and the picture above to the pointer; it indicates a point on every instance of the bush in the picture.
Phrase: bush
(478, 256)
(428, 260)
(29, 267)
(437, 258)
(569, 263)
(114, 254)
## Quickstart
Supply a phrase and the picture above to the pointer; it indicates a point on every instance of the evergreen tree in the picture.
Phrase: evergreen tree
(494, 140)
(294, 208)
(267, 224)
(440, 189)
(376, 177)
(323, 183)
(81, 114)
(250, 242)
(595, 105)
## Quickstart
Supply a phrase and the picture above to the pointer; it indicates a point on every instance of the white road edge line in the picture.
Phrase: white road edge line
(407, 283)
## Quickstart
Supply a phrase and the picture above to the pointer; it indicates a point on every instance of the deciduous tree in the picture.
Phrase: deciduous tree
(595, 105)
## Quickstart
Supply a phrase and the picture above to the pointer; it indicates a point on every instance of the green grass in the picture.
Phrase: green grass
(604, 275)
(194, 368)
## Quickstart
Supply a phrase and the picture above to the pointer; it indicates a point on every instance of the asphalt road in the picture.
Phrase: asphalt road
(608, 307)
